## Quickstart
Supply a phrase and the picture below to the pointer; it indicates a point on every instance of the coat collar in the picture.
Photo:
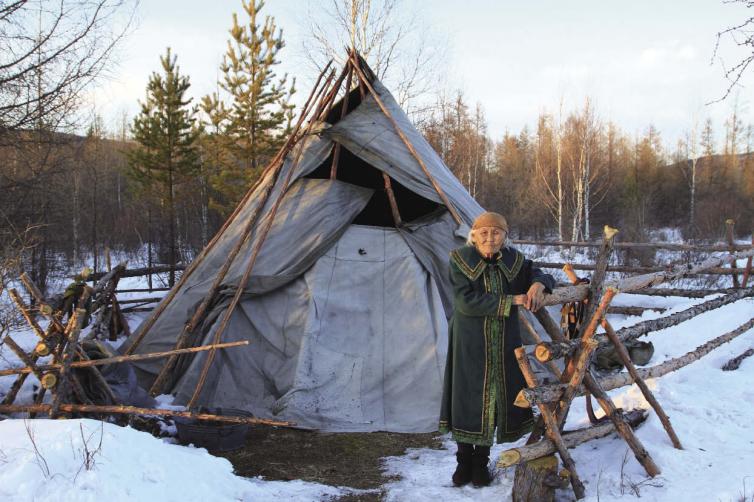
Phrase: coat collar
(471, 263)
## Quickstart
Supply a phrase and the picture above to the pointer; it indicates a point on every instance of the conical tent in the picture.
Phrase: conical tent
(334, 267)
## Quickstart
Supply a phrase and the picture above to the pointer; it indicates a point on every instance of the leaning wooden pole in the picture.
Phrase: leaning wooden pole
(133, 410)
(401, 134)
(121, 359)
(648, 395)
(199, 314)
(279, 157)
(270, 218)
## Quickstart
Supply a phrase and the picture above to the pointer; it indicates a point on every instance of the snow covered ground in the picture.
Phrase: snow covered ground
(711, 410)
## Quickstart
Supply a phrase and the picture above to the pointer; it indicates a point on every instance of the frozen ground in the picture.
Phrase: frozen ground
(711, 410)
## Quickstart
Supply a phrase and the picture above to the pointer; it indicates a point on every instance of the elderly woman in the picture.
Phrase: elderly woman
(490, 281)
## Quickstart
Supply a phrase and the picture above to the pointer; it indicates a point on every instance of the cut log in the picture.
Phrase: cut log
(548, 351)
(631, 269)
(536, 480)
(747, 268)
(527, 453)
(734, 363)
(687, 293)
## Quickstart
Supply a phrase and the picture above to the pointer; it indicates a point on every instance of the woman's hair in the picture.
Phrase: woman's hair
(470, 240)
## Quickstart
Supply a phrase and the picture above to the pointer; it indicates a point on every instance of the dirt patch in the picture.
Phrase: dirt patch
(336, 459)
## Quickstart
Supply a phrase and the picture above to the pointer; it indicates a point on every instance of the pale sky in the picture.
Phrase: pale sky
(641, 62)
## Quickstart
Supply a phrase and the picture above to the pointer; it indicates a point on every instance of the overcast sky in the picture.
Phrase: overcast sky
(641, 62)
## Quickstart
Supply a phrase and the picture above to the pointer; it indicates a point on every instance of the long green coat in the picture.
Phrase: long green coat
(482, 377)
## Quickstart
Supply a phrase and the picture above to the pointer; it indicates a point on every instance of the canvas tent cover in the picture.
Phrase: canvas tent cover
(347, 322)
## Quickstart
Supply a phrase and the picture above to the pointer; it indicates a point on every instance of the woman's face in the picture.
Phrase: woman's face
(489, 240)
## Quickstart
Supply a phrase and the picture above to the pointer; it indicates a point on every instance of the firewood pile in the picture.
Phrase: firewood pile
(68, 365)
(537, 473)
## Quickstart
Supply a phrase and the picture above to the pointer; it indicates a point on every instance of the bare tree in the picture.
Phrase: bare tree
(740, 35)
(386, 34)
(50, 51)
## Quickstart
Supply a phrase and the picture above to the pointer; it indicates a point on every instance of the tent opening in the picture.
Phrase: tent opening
(354, 100)
(354, 170)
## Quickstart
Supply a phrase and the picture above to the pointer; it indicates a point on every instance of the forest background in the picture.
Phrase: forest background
(160, 183)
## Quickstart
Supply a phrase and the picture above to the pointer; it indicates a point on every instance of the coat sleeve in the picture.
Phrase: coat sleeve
(534, 274)
(473, 303)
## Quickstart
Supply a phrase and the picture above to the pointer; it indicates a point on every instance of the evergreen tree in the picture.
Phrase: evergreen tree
(258, 117)
(166, 133)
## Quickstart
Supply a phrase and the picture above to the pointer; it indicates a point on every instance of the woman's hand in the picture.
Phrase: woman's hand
(520, 300)
(535, 297)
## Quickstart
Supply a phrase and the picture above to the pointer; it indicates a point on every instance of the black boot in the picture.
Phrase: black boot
(480, 475)
(464, 456)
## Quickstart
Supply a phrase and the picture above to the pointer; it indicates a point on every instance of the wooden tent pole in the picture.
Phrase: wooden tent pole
(279, 157)
(199, 313)
(405, 140)
(270, 217)
(343, 111)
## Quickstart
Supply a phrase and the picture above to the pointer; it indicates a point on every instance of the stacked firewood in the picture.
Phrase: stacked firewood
(67, 364)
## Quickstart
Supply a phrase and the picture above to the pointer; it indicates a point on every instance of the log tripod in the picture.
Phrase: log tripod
(576, 374)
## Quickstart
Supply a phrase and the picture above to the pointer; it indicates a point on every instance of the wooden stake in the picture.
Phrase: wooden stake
(747, 270)
(729, 223)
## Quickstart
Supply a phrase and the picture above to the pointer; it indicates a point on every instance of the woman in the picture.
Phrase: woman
(482, 377)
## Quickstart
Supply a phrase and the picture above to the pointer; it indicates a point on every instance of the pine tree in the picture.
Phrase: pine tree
(258, 118)
(166, 132)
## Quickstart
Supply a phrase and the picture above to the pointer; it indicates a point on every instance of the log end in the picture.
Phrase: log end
(49, 380)
(521, 400)
(509, 458)
(610, 232)
(542, 353)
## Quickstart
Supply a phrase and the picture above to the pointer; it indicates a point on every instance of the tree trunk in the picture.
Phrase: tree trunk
(536, 481)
